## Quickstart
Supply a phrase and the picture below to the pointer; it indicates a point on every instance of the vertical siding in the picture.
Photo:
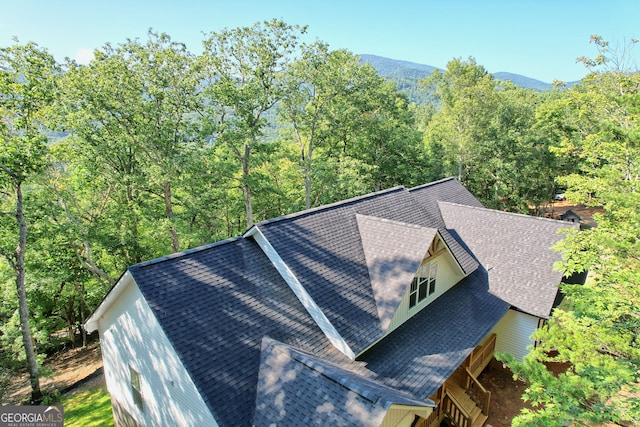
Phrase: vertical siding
(448, 275)
(514, 333)
(130, 335)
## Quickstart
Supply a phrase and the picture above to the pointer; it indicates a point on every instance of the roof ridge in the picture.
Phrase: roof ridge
(186, 252)
(331, 205)
(569, 225)
(431, 184)
(394, 222)
(320, 366)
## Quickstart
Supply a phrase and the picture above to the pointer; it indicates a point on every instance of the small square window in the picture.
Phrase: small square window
(412, 299)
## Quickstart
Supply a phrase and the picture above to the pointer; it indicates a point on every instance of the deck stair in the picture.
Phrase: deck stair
(460, 409)
(462, 401)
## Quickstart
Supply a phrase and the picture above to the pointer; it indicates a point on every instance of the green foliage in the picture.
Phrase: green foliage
(90, 408)
(27, 89)
(5, 381)
(338, 111)
(485, 134)
(243, 71)
(595, 334)
(154, 150)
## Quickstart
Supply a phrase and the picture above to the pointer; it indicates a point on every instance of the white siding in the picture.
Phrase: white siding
(448, 275)
(131, 336)
(514, 333)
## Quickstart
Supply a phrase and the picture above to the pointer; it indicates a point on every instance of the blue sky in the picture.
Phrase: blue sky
(536, 38)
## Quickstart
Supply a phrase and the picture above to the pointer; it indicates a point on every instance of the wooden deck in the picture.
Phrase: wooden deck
(462, 400)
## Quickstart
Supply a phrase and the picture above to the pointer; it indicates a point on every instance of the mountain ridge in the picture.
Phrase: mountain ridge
(406, 74)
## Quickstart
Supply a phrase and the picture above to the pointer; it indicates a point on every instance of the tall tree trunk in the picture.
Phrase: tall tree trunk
(135, 241)
(246, 188)
(34, 375)
(81, 291)
(306, 162)
(175, 244)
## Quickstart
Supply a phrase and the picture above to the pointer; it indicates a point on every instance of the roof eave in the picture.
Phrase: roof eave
(92, 323)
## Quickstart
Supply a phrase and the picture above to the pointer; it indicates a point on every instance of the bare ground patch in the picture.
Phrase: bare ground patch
(69, 367)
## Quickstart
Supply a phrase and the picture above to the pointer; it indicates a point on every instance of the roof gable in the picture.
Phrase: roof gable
(515, 249)
(323, 248)
(451, 190)
(393, 252)
(424, 351)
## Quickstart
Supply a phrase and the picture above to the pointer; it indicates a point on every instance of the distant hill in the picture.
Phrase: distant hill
(523, 81)
(406, 74)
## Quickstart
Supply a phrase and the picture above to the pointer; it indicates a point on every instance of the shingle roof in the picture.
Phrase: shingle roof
(515, 249)
(422, 353)
(449, 190)
(393, 252)
(445, 190)
(323, 249)
(296, 388)
(215, 304)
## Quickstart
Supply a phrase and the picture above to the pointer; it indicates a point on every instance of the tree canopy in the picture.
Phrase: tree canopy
(150, 149)
(595, 332)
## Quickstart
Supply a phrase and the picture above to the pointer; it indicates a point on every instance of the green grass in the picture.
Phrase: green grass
(90, 408)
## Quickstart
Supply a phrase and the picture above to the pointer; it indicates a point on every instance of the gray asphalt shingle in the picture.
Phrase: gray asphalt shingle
(356, 259)
(297, 388)
(323, 249)
(215, 304)
(393, 252)
(516, 250)
(418, 356)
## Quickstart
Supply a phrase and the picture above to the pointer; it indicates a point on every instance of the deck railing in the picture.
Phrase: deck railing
(482, 355)
(477, 393)
(454, 410)
(466, 378)
(433, 420)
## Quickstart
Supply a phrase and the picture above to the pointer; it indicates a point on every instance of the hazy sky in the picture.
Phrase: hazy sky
(536, 38)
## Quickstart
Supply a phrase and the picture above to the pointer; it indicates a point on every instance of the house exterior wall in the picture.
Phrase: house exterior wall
(402, 416)
(131, 337)
(513, 333)
(448, 275)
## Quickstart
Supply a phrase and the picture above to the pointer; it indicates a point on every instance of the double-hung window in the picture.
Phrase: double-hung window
(423, 284)
(136, 390)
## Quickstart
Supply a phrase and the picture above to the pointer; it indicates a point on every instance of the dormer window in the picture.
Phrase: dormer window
(423, 284)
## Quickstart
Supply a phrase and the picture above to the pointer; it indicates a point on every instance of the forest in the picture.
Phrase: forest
(150, 149)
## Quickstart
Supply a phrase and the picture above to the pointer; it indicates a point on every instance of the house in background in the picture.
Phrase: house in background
(571, 216)
(376, 311)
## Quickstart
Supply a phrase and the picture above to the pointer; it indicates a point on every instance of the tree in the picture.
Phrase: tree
(339, 109)
(243, 71)
(467, 96)
(132, 138)
(595, 333)
(27, 88)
